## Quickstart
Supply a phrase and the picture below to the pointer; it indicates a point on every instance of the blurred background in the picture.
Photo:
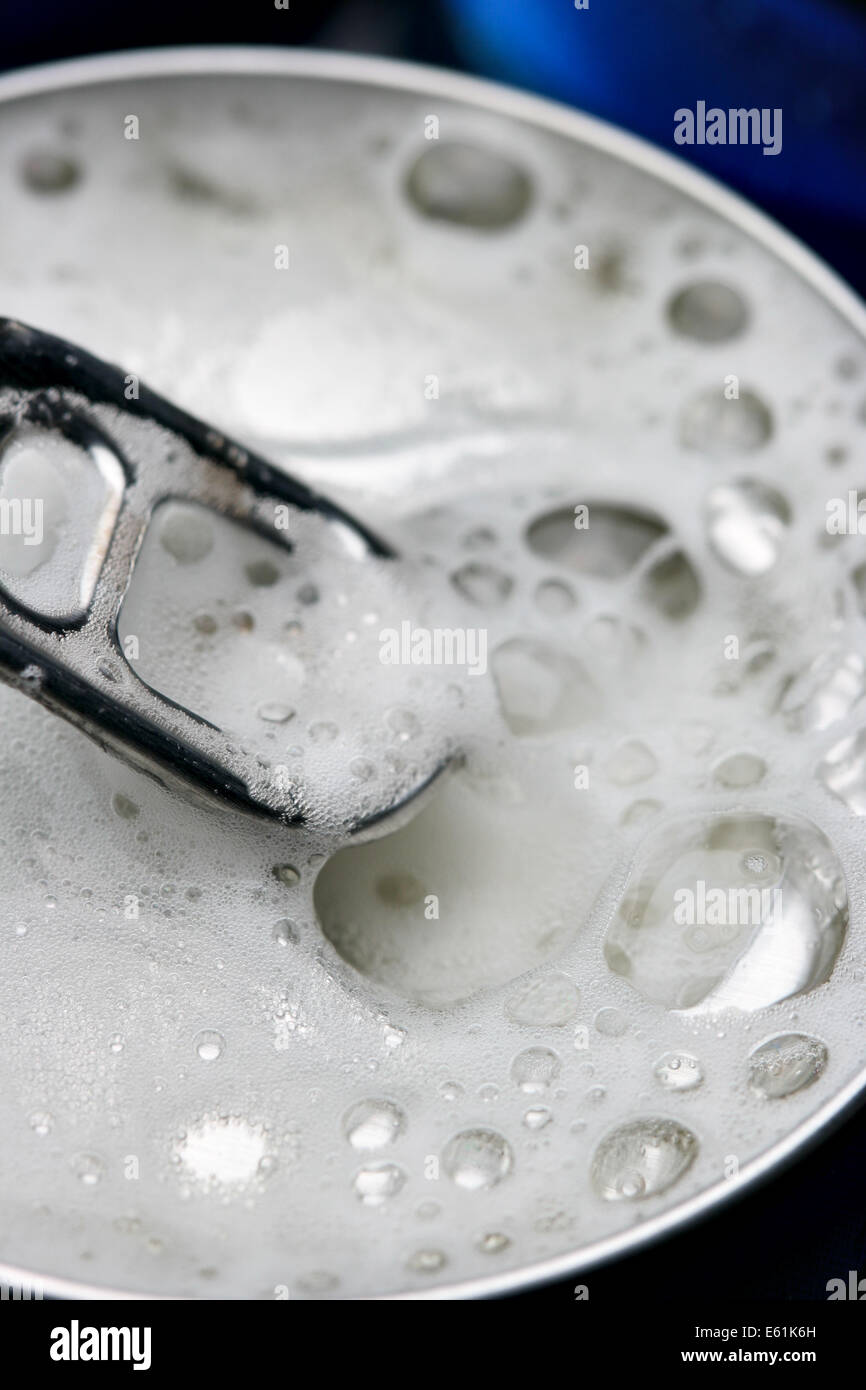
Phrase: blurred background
(632, 63)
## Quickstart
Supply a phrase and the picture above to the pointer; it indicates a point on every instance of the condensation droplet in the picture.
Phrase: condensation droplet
(612, 1023)
(695, 930)
(47, 172)
(483, 584)
(286, 874)
(678, 1071)
(537, 1117)
(746, 522)
(88, 1168)
(451, 1090)
(786, 1064)
(275, 713)
(715, 425)
(376, 1182)
(373, 1124)
(534, 1069)
(426, 1261)
(642, 1159)
(285, 932)
(453, 181)
(477, 1158)
(609, 544)
(708, 312)
(262, 573)
(209, 1044)
(740, 770)
(493, 1243)
(186, 536)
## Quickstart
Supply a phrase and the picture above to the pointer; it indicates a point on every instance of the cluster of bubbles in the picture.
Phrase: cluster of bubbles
(554, 1037)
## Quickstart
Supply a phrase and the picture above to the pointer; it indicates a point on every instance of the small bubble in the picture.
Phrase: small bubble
(740, 770)
(377, 1182)
(493, 1243)
(426, 1261)
(468, 185)
(746, 521)
(274, 713)
(41, 1122)
(451, 1090)
(88, 1168)
(786, 1064)
(708, 312)
(642, 1159)
(714, 425)
(678, 1071)
(534, 1069)
(611, 1022)
(186, 536)
(262, 573)
(477, 1158)
(483, 584)
(537, 1117)
(47, 172)
(373, 1124)
(285, 933)
(286, 874)
(209, 1044)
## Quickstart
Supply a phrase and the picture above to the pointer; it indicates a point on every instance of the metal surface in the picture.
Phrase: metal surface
(673, 175)
(74, 664)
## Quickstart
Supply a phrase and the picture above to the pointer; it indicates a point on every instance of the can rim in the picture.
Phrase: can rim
(342, 67)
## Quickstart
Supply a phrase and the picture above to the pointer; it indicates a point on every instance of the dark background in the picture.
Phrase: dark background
(633, 62)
